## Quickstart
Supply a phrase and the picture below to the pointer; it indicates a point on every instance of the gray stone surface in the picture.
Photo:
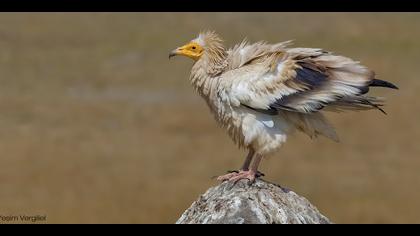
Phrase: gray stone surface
(260, 203)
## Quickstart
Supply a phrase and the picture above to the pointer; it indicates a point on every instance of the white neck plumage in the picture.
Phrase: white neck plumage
(206, 69)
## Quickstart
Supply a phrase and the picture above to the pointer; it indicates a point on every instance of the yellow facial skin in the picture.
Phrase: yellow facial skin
(192, 50)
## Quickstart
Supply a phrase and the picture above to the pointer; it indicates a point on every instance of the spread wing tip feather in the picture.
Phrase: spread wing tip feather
(382, 83)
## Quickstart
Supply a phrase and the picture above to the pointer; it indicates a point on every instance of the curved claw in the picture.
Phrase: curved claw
(259, 174)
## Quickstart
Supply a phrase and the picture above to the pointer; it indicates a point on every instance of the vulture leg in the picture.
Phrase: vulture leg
(245, 167)
(248, 160)
(250, 174)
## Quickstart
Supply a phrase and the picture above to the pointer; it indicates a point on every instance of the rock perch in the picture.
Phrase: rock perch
(260, 203)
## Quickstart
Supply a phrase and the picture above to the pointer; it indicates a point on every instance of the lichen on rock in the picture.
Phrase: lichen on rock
(260, 203)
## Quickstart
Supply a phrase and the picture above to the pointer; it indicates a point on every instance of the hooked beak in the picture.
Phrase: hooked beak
(174, 53)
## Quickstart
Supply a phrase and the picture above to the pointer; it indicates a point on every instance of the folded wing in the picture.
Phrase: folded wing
(301, 80)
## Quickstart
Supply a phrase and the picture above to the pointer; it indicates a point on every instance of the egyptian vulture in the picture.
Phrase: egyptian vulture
(259, 93)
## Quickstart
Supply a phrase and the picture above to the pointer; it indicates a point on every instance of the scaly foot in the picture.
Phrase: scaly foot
(235, 176)
(248, 174)
(228, 176)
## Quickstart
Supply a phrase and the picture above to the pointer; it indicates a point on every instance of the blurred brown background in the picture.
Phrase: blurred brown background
(98, 126)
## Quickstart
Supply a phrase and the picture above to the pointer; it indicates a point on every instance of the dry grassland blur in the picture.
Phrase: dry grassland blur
(98, 126)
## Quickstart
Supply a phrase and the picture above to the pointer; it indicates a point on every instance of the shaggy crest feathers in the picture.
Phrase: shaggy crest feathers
(215, 53)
